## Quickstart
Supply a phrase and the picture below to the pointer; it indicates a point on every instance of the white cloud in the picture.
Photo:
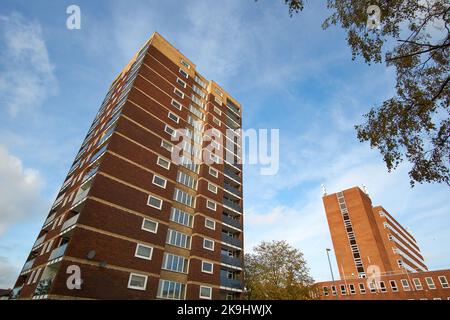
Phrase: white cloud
(26, 77)
(19, 190)
(8, 273)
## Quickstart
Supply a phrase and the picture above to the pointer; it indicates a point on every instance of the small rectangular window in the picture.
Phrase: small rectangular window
(176, 104)
(178, 93)
(213, 172)
(178, 239)
(166, 145)
(362, 288)
(217, 110)
(181, 217)
(163, 163)
(218, 101)
(417, 283)
(184, 73)
(137, 281)
(352, 288)
(382, 286)
(212, 188)
(430, 283)
(343, 290)
(181, 83)
(143, 252)
(217, 121)
(159, 181)
(173, 117)
(207, 267)
(184, 63)
(150, 225)
(210, 224)
(171, 290)
(393, 284)
(405, 285)
(154, 202)
(211, 205)
(205, 292)
(208, 244)
(171, 131)
(443, 281)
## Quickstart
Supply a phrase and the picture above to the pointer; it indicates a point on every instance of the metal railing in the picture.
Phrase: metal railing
(232, 205)
(70, 222)
(232, 175)
(233, 190)
(58, 252)
(28, 265)
(232, 222)
(233, 241)
(230, 283)
(232, 261)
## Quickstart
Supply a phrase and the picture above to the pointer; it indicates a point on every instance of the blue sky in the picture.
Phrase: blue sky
(288, 74)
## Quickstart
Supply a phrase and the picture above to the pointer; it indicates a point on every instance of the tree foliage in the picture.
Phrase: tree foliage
(277, 271)
(414, 38)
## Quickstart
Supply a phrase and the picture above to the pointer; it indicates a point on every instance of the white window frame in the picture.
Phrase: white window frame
(149, 230)
(417, 284)
(432, 285)
(217, 121)
(156, 184)
(184, 63)
(213, 186)
(184, 73)
(163, 159)
(213, 244)
(153, 206)
(444, 284)
(176, 104)
(406, 287)
(394, 287)
(178, 93)
(129, 286)
(217, 110)
(143, 257)
(210, 220)
(212, 267)
(362, 288)
(170, 131)
(205, 297)
(215, 174)
(174, 115)
(170, 149)
(208, 201)
(181, 82)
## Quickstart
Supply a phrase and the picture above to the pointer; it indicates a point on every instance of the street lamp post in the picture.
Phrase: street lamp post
(329, 263)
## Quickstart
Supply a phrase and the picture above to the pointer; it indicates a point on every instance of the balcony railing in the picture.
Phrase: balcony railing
(49, 219)
(70, 222)
(232, 175)
(58, 201)
(232, 205)
(28, 265)
(233, 241)
(43, 287)
(39, 241)
(232, 222)
(230, 283)
(233, 190)
(92, 171)
(81, 194)
(16, 292)
(232, 261)
(58, 252)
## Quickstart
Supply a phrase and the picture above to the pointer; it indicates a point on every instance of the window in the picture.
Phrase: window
(181, 82)
(184, 63)
(163, 163)
(362, 288)
(400, 263)
(216, 132)
(217, 110)
(218, 92)
(212, 187)
(187, 180)
(443, 281)
(205, 292)
(211, 205)
(174, 263)
(171, 290)
(352, 288)
(430, 283)
(181, 217)
(333, 290)
(343, 290)
(183, 197)
(166, 145)
(217, 121)
(382, 286)
(137, 281)
(208, 244)
(393, 284)
(325, 291)
(178, 239)
(372, 287)
(210, 224)
(207, 267)
(417, 283)
(213, 172)
(143, 251)
(178, 93)
(176, 104)
(405, 285)
(184, 73)
(159, 181)
(173, 117)
(150, 225)
(170, 131)
(154, 202)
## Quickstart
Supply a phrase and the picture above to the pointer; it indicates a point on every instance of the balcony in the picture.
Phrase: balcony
(232, 261)
(232, 175)
(92, 171)
(230, 283)
(39, 241)
(57, 202)
(16, 292)
(98, 154)
(49, 220)
(82, 192)
(230, 240)
(232, 222)
(69, 223)
(58, 252)
(43, 287)
(232, 190)
(27, 266)
(232, 205)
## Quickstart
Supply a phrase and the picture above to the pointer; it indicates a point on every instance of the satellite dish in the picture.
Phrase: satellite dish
(91, 254)
(103, 264)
